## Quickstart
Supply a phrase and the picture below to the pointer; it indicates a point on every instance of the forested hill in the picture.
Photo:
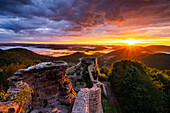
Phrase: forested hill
(27, 57)
(21, 56)
(158, 60)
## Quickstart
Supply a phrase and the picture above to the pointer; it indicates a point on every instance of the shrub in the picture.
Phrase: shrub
(131, 83)
(105, 70)
(67, 81)
(23, 97)
(102, 77)
(70, 64)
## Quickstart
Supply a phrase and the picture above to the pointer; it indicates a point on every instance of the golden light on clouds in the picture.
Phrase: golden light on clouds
(114, 41)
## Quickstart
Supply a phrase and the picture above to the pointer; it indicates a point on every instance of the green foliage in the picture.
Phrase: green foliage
(162, 81)
(131, 83)
(167, 72)
(13, 59)
(23, 96)
(159, 60)
(67, 81)
(70, 64)
(105, 70)
(37, 61)
(107, 107)
(7, 71)
(102, 77)
(86, 77)
(2, 92)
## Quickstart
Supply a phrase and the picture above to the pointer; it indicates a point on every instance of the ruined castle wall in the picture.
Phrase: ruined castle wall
(90, 68)
(88, 101)
(95, 100)
(73, 68)
(81, 104)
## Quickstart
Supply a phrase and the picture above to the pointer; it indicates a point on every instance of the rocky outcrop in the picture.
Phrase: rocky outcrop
(47, 81)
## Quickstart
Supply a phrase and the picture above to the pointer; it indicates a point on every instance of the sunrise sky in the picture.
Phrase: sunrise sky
(85, 21)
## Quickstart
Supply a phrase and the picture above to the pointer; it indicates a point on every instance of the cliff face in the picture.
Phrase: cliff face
(46, 80)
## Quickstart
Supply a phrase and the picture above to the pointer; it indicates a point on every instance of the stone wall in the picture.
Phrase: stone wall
(94, 100)
(46, 79)
(94, 93)
(73, 68)
(88, 101)
(81, 104)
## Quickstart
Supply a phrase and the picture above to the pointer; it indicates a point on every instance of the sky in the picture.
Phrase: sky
(85, 21)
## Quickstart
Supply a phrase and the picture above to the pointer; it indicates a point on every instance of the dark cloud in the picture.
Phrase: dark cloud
(60, 16)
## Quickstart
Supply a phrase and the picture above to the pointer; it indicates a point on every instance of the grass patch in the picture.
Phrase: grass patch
(107, 107)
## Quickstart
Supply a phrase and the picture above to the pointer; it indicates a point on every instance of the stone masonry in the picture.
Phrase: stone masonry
(92, 95)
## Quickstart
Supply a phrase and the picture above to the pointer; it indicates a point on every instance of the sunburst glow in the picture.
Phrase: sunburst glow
(131, 41)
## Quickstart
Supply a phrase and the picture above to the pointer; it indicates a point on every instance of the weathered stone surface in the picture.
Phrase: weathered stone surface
(9, 107)
(73, 77)
(81, 104)
(46, 79)
(95, 100)
(60, 109)
(94, 94)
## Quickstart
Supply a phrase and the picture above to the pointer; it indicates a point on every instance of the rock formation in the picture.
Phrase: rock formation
(47, 81)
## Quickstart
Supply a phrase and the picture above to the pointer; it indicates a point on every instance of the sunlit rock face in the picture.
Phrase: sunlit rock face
(9, 107)
(46, 80)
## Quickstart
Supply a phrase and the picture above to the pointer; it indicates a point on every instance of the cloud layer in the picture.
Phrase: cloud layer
(74, 20)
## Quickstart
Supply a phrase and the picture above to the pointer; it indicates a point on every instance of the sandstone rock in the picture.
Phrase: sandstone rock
(9, 106)
(42, 110)
(73, 77)
(79, 77)
(46, 79)
(61, 109)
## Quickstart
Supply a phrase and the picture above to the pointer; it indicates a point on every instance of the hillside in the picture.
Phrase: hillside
(24, 56)
(75, 57)
(158, 60)
(134, 52)
(27, 54)
(6, 58)
(158, 48)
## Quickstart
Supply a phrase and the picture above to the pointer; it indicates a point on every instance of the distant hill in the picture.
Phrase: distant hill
(24, 56)
(131, 52)
(158, 48)
(7, 58)
(158, 60)
(75, 57)
(20, 55)
(27, 54)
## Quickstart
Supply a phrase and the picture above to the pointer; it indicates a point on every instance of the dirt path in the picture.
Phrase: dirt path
(112, 99)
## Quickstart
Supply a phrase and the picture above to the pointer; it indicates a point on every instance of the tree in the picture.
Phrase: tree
(133, 87)
(105, 70)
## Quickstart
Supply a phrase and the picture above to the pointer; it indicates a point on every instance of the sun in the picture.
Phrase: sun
(130, 41)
